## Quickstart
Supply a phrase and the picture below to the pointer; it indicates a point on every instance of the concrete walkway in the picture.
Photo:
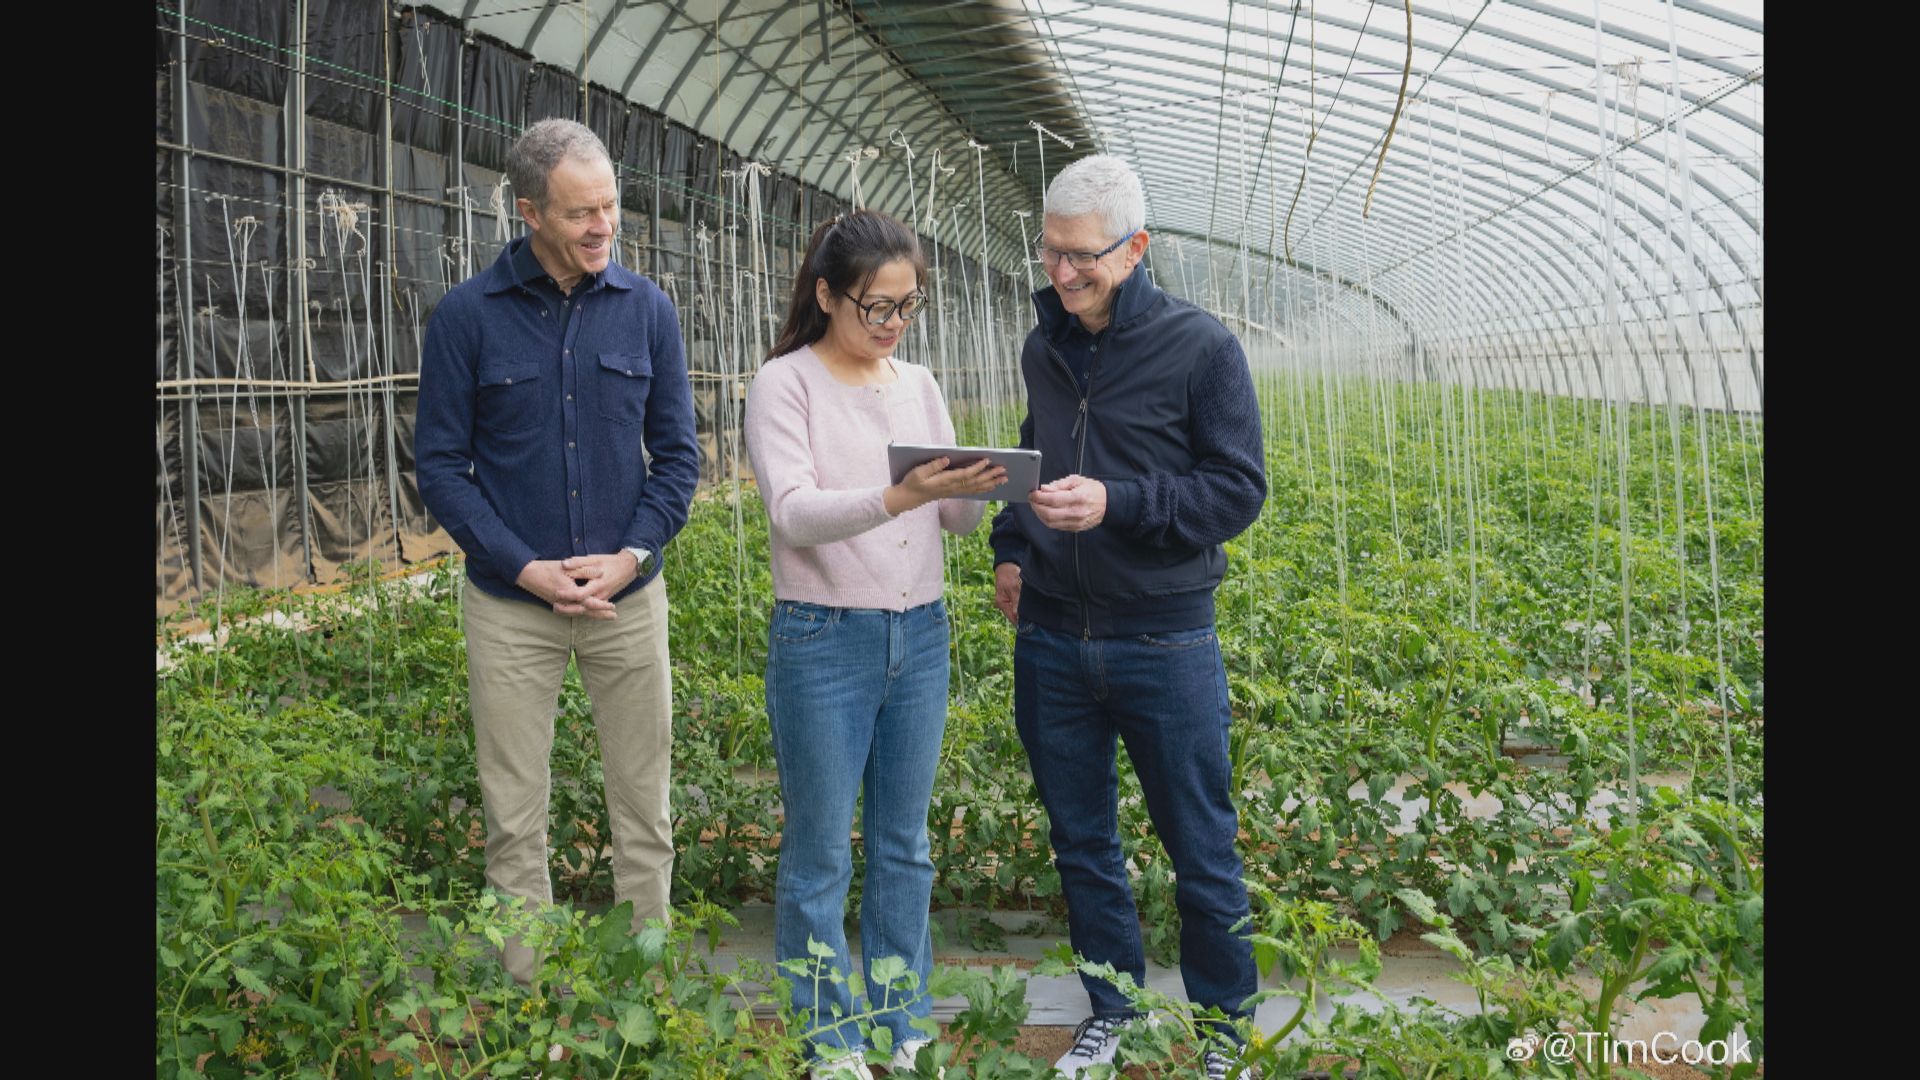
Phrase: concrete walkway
(1410, 968)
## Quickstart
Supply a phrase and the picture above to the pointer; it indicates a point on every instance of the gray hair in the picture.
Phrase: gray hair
(544, 145)
(1100, 184)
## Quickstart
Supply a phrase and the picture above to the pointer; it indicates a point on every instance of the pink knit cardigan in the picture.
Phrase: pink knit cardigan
(819, 453)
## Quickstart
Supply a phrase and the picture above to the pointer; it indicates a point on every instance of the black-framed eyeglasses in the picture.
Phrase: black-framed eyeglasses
(1081, 260)
(879, 311)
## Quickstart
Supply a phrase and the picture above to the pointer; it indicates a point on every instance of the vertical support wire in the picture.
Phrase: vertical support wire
(1612, 328)
(1695, 293)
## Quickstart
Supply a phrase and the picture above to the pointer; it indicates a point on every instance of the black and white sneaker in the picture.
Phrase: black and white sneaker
(1094, 1043)
(1219, 1065)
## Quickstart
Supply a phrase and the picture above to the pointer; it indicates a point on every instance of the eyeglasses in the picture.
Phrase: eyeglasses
(1081, 260)
(879, 311)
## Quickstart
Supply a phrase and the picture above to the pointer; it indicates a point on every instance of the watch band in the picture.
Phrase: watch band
(642, 557)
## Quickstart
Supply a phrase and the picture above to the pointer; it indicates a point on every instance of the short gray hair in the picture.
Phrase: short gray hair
(544, 145)
(1100, 184)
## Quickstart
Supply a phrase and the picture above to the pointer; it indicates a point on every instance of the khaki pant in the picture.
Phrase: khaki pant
(516, 661)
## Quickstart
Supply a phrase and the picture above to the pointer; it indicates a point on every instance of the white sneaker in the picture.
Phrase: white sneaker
(847, 1066)
(1094, 1043)
(1219, 1065)
(905, 1052)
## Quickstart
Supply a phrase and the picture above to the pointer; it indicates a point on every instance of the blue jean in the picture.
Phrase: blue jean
(1166, 695)
(858, 702)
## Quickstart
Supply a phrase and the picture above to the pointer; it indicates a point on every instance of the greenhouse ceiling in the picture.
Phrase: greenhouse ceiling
(1546, 167)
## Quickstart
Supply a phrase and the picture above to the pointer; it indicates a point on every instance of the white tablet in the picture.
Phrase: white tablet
(1023, 466)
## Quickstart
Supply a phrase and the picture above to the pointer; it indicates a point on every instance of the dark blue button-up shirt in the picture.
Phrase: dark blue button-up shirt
(534, 410)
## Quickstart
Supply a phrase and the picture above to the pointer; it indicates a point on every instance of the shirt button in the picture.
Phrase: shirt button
(569, 352)
(1093, 348)
(543, 313)
(569, 445)
(569, 397)
(574, 494)
(903, 543)
(509, 382)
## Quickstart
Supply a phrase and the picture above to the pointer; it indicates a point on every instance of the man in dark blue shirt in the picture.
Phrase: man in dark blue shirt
(555, 443)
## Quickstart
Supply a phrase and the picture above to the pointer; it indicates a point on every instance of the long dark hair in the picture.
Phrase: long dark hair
(847, 252)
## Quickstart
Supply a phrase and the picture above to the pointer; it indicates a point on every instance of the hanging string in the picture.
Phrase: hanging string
(497, 199)
(986, 299)
(853, 159)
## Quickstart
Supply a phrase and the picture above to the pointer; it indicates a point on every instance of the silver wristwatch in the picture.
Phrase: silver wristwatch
(642, 557)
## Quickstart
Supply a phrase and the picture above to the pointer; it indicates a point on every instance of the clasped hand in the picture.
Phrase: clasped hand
(581, 585)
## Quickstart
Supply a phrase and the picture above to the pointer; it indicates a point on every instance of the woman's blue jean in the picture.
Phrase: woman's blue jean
(858, 702)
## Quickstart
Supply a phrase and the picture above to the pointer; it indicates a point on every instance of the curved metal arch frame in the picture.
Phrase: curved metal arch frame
(1390, 209)
(1724, 256)
(1524, 150)
(1389, 89)
(1487, 309)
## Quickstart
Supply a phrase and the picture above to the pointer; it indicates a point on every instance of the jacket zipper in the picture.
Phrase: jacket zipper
(1079, 435)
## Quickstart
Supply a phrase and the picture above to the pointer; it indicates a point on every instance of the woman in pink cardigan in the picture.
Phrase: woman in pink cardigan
(857, 648)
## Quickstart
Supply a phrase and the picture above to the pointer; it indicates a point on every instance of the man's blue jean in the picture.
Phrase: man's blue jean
(858, 702)
(1166, 695)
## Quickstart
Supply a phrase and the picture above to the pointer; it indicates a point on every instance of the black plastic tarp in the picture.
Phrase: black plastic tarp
(552, 92)
(239, 46)
(607, 118)
(639, 158)
(676, 166)
(496, 100)
(343, 61)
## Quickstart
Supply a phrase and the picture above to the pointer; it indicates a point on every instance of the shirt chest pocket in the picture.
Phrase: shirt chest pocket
(624, 380)
(507, 398)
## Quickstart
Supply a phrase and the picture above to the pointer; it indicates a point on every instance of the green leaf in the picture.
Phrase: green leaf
(947, 981)
(1582, 889)
(1421, 905)
(890, 972)
(1667, 976)
(251, 980)
(1265, 952)
(226, 1027)
(615, 927)
(1568, 937)
(652, 940)
(170, 958)
(402, 1043)
(1747, 914)
(1721, 1016)
(1445, 941)
(638, 1025)
(819, 949)
(1377, 785)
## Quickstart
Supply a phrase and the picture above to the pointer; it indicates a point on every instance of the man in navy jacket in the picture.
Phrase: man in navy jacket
(542, 380)
(1149, 431)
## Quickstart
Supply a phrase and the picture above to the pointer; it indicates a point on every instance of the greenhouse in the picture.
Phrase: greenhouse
(1356, 568)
